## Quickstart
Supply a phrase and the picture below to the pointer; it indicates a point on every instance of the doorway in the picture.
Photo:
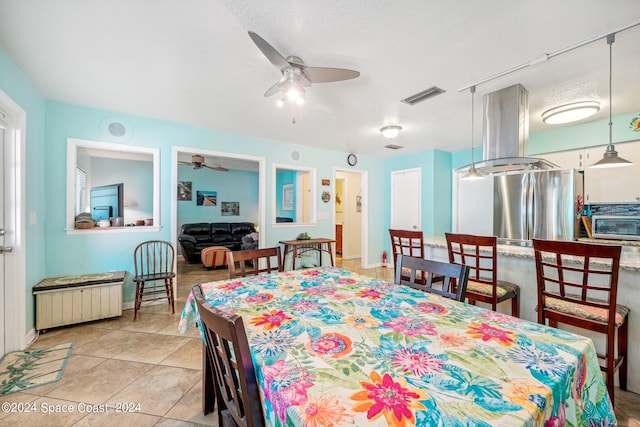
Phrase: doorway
(351, 214)
(12, 230)
(231, 161)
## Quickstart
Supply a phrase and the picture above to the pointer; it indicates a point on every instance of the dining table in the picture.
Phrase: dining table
(332, 347)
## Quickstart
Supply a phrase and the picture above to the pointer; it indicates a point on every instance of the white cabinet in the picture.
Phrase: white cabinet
(613, 185)
(609, 185)
(570, 159)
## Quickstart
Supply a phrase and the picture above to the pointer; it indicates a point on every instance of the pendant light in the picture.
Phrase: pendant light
(610, 159)
(472, 173)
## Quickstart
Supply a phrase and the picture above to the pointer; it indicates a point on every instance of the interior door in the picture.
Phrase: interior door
(406, 199)
(3, 127)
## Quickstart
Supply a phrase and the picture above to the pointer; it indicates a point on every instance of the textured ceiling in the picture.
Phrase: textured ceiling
(193, 62)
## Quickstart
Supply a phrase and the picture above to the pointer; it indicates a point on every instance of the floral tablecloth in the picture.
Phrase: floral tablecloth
(332, 347)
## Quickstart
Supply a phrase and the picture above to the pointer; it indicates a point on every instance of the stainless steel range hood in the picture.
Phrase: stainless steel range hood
(505, 135)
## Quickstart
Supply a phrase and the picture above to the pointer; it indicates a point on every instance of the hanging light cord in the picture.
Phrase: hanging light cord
(610, 39)
(473, 91)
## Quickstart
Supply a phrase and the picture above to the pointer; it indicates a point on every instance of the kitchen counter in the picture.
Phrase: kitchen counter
(629, 260)
(516, 264)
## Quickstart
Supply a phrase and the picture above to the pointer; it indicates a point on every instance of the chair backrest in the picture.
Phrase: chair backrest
(154, 257)
(406, 242)
(575, 272)
(237, 262)
(478, 253)
(234, 375)
(420, 273)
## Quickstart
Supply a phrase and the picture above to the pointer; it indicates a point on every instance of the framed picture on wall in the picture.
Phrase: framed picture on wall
(230, 208)
(184, 190)
(287, 197)
(206, 198)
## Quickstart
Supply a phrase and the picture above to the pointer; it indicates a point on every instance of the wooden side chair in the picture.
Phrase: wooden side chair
(229, 359)
(247, 263)
(479, 253)
(578, 285)
(154, 263)
(410, 243)
(453, 284)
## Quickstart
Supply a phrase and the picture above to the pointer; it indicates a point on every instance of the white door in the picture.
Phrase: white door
(12, 260)
(406, 199)
(3, 126)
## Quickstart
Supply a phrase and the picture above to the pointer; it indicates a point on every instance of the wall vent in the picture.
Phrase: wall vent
(425, 94)
(393, 146)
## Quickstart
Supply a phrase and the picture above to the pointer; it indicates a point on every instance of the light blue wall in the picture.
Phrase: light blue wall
(231, 186)
(18, 87)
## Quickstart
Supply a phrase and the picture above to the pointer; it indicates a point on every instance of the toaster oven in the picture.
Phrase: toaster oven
(616, 227)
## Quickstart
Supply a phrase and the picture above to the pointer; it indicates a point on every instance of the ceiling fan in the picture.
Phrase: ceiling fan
(197, 161)
(295, 74)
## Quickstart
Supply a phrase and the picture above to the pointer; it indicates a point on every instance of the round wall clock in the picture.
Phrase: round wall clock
(352, 159)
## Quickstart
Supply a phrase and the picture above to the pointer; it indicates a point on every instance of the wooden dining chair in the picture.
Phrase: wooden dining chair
(454, 276)
(247, 263)
(411, 243)
(578, 285)
(154, 262)
(229, 359)
(480, 254)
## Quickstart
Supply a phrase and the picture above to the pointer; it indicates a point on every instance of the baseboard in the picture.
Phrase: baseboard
(30, 338)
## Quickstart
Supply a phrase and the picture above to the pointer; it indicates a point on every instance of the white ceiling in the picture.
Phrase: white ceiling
(193, 62)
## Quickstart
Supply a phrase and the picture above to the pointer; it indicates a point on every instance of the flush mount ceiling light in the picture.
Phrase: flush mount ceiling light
(570, 112)
(610, 158)
(473, 173)
(390, 131)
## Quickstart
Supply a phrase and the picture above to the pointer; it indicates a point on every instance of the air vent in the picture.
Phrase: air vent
(425, 94)
(393, 146)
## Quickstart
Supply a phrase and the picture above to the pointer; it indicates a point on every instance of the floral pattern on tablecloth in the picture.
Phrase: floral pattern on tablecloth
(332, 347)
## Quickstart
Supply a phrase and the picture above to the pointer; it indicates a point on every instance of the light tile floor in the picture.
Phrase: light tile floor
(150, 364)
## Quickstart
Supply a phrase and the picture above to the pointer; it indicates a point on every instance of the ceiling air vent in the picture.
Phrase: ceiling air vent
(425, 94)
(393, 146)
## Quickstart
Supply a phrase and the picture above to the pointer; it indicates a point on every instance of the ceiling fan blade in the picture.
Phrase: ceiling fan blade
(269, 51)
(326, 74)
(180, 162)
(273, 89)
(217, 168)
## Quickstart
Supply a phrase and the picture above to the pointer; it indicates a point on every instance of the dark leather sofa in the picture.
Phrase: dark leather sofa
(197, 236)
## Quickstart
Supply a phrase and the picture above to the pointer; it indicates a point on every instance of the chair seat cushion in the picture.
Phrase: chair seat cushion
(214, 256)
(503, 289)
(587, 312)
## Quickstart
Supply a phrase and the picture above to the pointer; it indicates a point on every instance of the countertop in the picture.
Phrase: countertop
(629, 260)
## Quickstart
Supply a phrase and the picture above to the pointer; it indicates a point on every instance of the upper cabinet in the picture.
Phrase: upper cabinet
(613, 185)
(609, 185)
(571, 159)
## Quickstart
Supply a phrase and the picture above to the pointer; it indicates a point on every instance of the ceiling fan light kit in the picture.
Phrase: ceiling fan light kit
(610, 159)
(390, 131)
(569, 113)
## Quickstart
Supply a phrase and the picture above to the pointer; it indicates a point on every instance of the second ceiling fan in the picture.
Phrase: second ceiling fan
(197, 161)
